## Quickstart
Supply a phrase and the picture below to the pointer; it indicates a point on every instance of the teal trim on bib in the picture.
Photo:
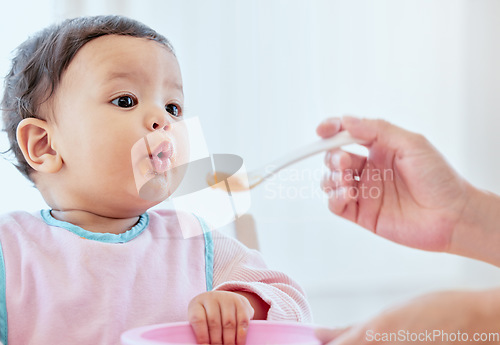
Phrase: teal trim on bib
(3, 301)
(209, 253)
(127, 236)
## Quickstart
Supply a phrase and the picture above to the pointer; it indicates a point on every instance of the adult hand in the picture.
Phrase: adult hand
(440, 318)
(404, 190)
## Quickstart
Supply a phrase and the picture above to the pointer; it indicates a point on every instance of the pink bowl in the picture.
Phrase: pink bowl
(259, 333)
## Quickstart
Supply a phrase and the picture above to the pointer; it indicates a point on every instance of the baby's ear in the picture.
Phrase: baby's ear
(34, 140)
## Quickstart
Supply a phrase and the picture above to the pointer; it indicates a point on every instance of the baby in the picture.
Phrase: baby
(79, 97)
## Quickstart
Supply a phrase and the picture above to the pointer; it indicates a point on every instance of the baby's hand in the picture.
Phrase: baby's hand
(220, 317)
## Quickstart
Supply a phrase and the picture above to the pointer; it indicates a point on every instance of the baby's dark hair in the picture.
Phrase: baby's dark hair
(40, 62)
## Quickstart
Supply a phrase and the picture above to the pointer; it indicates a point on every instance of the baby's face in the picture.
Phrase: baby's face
(117, 93)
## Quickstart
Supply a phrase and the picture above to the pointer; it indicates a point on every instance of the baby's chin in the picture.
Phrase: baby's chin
(161, 186)
(156, 190)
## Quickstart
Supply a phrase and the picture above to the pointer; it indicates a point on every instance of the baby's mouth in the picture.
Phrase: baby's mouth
(161, 157)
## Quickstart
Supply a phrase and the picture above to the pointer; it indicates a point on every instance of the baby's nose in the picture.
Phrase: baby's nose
(160, 121)
(162, 125)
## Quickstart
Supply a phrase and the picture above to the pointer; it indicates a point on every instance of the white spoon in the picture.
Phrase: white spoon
(239, 183)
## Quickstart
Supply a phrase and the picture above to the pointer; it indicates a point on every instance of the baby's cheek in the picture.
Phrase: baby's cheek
(180, 161)
(182, 155)
(181, 144)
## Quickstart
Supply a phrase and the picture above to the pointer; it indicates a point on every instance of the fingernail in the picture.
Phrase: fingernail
(336, 177)
(328, 156)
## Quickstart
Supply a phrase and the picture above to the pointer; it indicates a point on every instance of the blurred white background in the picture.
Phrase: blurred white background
(262, 74)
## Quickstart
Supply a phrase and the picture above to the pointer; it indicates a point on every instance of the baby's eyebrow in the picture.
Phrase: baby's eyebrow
(121, 74)
(124, 75)
(110, 76)
(179, 87)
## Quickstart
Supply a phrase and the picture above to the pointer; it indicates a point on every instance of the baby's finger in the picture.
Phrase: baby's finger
(214, 322)
(197, 319)
(228, 313)
(243, 317)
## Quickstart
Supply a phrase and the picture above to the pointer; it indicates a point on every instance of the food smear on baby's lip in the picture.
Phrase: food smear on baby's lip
(237, 182)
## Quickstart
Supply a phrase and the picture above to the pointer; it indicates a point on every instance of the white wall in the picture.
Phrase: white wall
(262, 74)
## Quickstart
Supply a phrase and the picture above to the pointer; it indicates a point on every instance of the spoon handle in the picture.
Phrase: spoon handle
(340, 139)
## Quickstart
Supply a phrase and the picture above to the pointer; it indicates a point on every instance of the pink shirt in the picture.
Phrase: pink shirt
(61, 284)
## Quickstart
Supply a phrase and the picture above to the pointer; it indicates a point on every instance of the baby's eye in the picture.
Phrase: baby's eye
(124, 101)
(173, 109)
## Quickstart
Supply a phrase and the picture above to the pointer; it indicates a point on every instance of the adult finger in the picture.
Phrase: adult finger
(339, 160)
(341, 200)
(329, 127)
(346, 169)
(382, 132)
